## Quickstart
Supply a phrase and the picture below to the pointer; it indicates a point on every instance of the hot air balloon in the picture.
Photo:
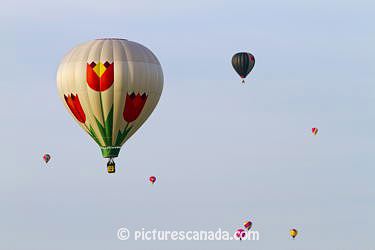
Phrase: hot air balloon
(46, 158)
(152, 179)
(248, 225)
(243, 63)
(240, 233)
(314, 131)
(110, 87)
(293, 233)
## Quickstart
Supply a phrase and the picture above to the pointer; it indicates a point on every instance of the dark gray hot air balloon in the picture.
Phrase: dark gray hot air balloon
(243, 63)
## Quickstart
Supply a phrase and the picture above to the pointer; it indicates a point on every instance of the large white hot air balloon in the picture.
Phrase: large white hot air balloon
(110, 87)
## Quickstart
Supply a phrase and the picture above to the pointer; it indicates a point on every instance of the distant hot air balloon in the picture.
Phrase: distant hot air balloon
(46, 158)
(110, 87)
(314, 131)
(240, 233)
(152, 179)
(248, 225)
(243, 63)
(293, 233)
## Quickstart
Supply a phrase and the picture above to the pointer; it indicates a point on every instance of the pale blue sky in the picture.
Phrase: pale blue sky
(222, 151)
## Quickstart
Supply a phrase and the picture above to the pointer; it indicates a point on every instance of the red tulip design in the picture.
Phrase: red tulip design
(134, 104)
(75, 107)
(99, 76)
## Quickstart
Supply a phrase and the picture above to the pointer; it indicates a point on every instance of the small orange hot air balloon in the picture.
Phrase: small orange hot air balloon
(152, 179)
(248, 225)
(314, 131)
(293, 233)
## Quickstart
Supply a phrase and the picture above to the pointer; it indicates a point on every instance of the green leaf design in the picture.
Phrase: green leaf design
(93, 135)
(106, 130)
(122, 135)
(109, 126)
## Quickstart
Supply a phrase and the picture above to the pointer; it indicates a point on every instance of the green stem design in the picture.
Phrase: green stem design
(93, 135)
(106, 130)
(122, 135)
(109, 150)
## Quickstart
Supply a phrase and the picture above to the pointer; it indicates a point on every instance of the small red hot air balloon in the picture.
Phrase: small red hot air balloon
(46, 158)
(152, 179)
(248, 225)
(314, 130)
(240, 233)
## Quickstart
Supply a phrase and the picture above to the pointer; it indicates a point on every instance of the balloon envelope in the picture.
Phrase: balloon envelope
(46, 158)
(248, 225)
(293, 233)
(240, 233)
(314, 131)
(152, 179)
(243, 63)
(110, 87)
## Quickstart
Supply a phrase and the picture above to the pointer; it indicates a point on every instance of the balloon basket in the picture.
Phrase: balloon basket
(111, 167)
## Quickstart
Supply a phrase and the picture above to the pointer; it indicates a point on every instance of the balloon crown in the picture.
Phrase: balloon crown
(111, 38)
